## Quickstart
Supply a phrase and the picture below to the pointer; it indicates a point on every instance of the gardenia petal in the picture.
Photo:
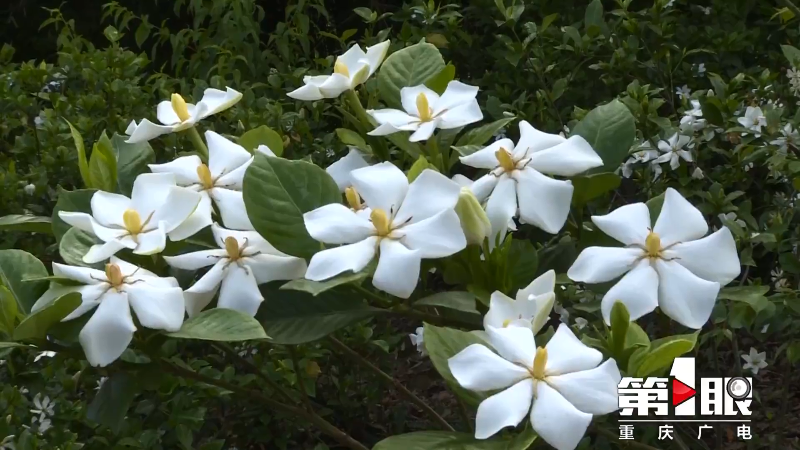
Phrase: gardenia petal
(486, 158)
(307, 92)
(556, 420)
(165, 113)
(375, 55)
(567, 159)
(543, 201)
(184, 168)
(148, 191)
(382, 186)
(501, 207)
(107, 208)
(109, 331)
(223, 155)
(397, 272)
(210, 280)
(157, 308)
(684, 297)
(146, 131)
(455, 95)
(479, 369)
(505, 409)
(199, 219)
(679, 220)
(333, 261)
(501, 308)
(152, 242)
(601, 264)
(239, 291)
(179, 204)
(83, 275)
(436, 237)
(712, 258)
(335, 85)
(337, 224)
(637, 290)
(196, 260)
(532, 140)
(215, 100)
(86, 222)
(629, 224)
(408, 98)
(485, 185)
(340, 170)
(429, 194)
(543, 284)
(592, 391)
(424, 131)
(231, 208)
(515, 344)
(270, 267)
(567, 354)
(101, 252)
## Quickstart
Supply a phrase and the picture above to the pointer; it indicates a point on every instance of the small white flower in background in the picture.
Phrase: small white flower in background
(44, 408)
(563, 314)
(23, 390)
(698, 174)
(669, 4)
(38, 121)
(406, 222)
(562, 385)
(8, 443)
(790, 136)
(581, 323)
(100, 383)
(683, 91)
(517, 185)
(350, 70)
(794, 80)
(29, 189)
(644, 153)
(220, 181)
(764, 328)
(748, 166)
(673, 150)
(425, 111)
(245, 352)
(753, 120)
(177, 115)
(158, 304)
(671, 265)
(755, 361)
(692, 119)
(243, 261)
(707, 11)
(417, 339)
(157, 209)
(701, 68)
(529, 309)
(44, 354)
(731, 216)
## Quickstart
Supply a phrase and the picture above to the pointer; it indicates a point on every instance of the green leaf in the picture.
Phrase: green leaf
(451, 440)
(262, 135)
(18, 265)
(103, 165)
(74, 245)
(276, 194)
(220, 324)
(444, 343)
(593, 18)
(792, 54)
(479, 136)
(132, 160)
(523, 259)
(752, 295)
(317, 287)
(620, 322)
(72, 201)
(25, 222)
(350, 137)
(636, 336)
(8, 311)
(664, 351)
(654, 206)
(589, 187)
(711, 112)
(418, 167)
(110, 406)
(5, 345)
(60, 280)
(466, 150)
(83, 164)
(111, 34)
(610, 129)
(411, 66)
(438, 83)
(459, 301)
(292, 317)
(35, 326)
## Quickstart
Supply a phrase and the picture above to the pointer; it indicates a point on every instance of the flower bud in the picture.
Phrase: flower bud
(474, 220)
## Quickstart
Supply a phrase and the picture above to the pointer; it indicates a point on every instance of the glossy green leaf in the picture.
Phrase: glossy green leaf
(74, 245)
(481, 135)
(654, 206)
(752, 295)
(663, 351)
(451, 440)
(459, 301)
(444, 343)
(25, 222)
(589, 187)
(35, 326)
(220, 324)
(8, 311)
(411, 66)
(262, 135)
(16, 266)
(523, 262)
(350, 137)
(132, 160)
(276, 194)
(438, 83)
(103, 165)
(620, 322)
(73, 201)
(317, 287)
(610, 129)
(792, 54)
(110, 405)
(418, 167)
(83, 163)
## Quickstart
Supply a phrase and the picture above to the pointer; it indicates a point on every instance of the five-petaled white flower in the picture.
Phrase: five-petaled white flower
(425, 111)
(350, 70)
(406, 222)
(753, 120)
(158, 304)
(530, 309)
(789, 136)
(673, 150)
(562, 385)
(177, 115)
(731, 216)
(516, 183)
(418, 339)
(683, 91)
(157, 209)
(243, 261)
(692, 119)
(44, 354)
(670, 265)
(755, 361)
(220, 181)
(44, 408)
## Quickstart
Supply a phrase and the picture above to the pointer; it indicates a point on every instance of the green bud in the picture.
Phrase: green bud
(474, 220)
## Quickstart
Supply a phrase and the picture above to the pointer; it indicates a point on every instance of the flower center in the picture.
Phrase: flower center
(341, 68)
(506, 323)
(353, 199)
(424, 109)
(505, 160)
(204, 174)
(380, 221)
(652, 245)
(232, 247)
(114, 275)
(539, 363)
(132, 221)
(180, 108)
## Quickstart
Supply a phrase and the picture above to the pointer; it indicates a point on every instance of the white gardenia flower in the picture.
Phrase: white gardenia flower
(683, 91)
(220, 181)
(698, 174)
(562, 385)
(516, 184)
(755, 361)
(417, 338)
(530, 309)
(692, 119)
(406, 222)
(644, 153)
(673, 150)
(789, 137)
(425, 111)
(340, 170)
(177, 115)
(350, 70)
(243, 261)
(671, 265)
(158, 304)
(465, 182)
(157, 209)
(753, 120)
(731, 216)
(100, 383)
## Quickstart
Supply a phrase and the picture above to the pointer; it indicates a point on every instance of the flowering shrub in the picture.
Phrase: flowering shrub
(543, 267)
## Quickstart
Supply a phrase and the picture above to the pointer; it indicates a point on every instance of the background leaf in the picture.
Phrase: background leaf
(411, 66)
(220, 324)
(35, 326)
(25, 222)
(610, 129)
(262, 135)
(74, 245)
(83, 164)
(481, 135)
(663, 351)
(444, 343)
(317, 287)
(16, 266)
(74, 201)
(132, 160)
(112, 401)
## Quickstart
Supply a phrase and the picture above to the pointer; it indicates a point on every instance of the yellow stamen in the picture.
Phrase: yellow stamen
(132, 221)
(232, 247)
(506, 323)
(114, 275)
(179, 106)
(424, 109)
(341, 68)
(380, 221)
(539, 363)
(353, 199)
(505, 160)
(652, 245)
(205, 176)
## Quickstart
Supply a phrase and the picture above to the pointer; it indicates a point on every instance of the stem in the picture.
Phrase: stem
(623, 444)
(403, 390)
(198, 143)
(298, 378)
(326, 427)
(352, 99)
